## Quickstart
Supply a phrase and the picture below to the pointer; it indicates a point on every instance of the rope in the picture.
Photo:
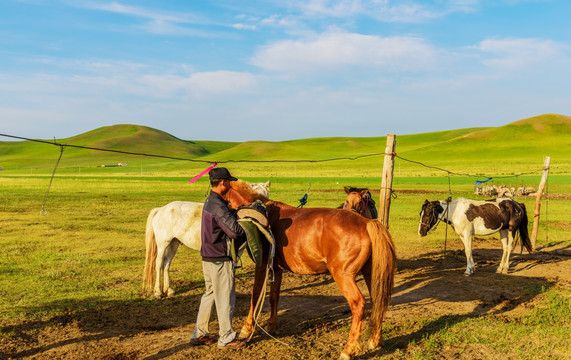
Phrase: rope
(303, 199)
(44, 212)
(463, 174)
(448, 201)
(258, 311)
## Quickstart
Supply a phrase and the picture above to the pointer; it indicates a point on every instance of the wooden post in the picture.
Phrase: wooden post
(533, 237)
(387, 180)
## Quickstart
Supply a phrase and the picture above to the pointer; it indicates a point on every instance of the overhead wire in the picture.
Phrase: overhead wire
(449, 172)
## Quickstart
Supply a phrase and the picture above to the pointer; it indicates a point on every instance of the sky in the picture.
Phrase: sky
(274, 70)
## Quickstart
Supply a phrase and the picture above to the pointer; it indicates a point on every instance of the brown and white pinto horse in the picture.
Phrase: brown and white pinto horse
(472, 217)
(360, 201)
(314, 241)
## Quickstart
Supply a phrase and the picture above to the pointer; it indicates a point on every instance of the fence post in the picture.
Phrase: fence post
(387, 180)
(533, 237)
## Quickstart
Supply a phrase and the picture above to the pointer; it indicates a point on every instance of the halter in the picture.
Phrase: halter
(435, 225)
(438, 220)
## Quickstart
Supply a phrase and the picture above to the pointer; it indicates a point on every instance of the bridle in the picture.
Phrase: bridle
(433, 217)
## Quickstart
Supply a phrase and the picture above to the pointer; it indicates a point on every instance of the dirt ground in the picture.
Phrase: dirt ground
(314, 317)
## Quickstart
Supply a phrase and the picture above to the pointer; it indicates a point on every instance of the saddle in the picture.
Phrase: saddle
(254, 220)
(256, 211)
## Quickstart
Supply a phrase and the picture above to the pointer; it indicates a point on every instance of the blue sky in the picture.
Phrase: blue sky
(280, 70)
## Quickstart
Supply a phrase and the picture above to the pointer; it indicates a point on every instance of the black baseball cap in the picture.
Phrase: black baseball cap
(220, 173)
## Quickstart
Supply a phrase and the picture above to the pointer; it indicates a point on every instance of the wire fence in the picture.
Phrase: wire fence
(212, 163)
(310, 161)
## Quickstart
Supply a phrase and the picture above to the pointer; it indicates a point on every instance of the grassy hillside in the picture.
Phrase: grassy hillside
(518, 147)
(128, 138)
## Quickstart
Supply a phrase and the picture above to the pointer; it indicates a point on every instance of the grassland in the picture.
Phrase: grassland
(87, 253)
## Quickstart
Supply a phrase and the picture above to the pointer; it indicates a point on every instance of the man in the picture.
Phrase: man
(219, 226)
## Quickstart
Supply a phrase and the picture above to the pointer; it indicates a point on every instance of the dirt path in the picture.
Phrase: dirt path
(314, 317)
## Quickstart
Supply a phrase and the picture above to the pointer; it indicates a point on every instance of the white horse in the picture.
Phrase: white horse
(169, 226)
(472, 217)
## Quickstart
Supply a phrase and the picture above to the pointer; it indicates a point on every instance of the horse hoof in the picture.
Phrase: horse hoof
(244, 334)
(344, 356)
(170, 293)
(373, 344)
(467, 274)
(271, 327)
(158, 296)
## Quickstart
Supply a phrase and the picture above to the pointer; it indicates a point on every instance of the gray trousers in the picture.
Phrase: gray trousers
(220, 291)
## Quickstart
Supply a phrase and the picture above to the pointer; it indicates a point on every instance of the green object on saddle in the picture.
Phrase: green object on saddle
(254, 239)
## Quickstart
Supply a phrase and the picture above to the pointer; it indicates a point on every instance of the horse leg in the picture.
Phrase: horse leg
(356, 300)
(169, 255)
(508, 252)
(159, 268)
(366, 271)
(467, 240)
(502, 266)
(274, 299)
(259, 277)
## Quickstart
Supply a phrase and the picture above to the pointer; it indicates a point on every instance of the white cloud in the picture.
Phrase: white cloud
(157, 21)
(222, 82)
(152, 14)
(512, 53)
(241, 26)
(386, 10)
(334, 50)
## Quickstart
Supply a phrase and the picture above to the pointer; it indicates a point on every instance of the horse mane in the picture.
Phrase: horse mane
(349, 189)
(279, 204)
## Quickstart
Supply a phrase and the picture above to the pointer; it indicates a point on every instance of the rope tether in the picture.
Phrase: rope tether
(258, 309)
(44, 212)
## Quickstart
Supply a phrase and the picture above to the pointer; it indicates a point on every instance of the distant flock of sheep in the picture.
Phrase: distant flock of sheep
(503, 191)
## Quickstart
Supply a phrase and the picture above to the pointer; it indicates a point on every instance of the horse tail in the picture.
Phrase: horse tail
(383, 271)
(151, 254)
(523, 233)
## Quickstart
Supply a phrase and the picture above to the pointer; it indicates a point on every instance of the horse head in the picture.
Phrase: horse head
(262, 188)
(429, 216)
(356, 200)
(244, 194)
(360, 201)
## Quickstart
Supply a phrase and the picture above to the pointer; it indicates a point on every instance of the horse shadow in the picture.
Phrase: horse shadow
(109, 319)
(306, 305)
(436, 280)
(432, 280)
(100, 320)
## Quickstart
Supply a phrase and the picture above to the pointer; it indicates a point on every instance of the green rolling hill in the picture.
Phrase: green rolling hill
(515, 147)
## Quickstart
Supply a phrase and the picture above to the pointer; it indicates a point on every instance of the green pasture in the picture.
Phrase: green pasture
(89, 248)
(88, 251)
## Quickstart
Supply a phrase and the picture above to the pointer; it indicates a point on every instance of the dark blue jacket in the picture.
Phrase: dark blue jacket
(219, 225)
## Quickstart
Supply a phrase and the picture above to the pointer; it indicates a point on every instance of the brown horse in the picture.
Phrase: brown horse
(360, 201)
(320, 240)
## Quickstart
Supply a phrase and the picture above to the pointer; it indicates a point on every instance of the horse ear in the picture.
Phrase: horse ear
(426, 201)
(347, 190)
(364, 192)
(267, 184)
